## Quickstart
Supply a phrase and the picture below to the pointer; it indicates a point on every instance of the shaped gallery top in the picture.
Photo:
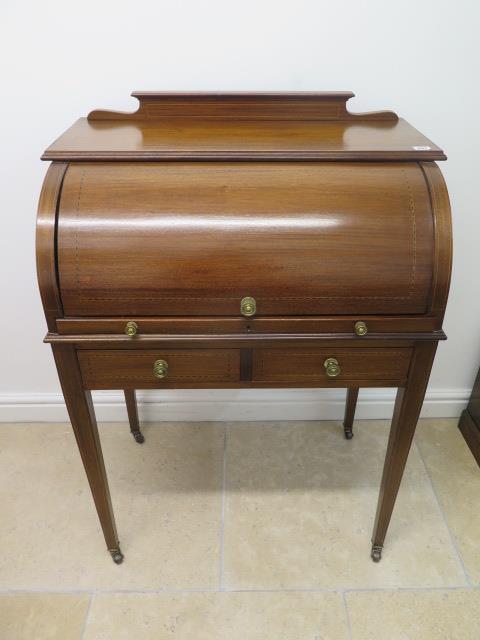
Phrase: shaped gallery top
(242, 126)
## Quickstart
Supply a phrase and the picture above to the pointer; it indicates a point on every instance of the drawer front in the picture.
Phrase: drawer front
(283, 325)
(335, 367)
(112, 369)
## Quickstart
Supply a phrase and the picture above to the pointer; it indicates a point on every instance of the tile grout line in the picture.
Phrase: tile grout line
(355, 589)
(444, 517)
(87, 615)
(456, 587)
(346, 590)
(347, 615)
(222, 517)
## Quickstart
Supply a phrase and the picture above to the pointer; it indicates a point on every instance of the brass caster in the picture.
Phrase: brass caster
(117, 555)
(376, 554)
(139, 437)
(348, 431)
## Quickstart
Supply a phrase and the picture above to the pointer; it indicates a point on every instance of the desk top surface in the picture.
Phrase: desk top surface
(241, 126)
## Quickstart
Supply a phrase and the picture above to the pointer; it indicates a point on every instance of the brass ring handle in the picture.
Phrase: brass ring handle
(131, 328)
(332, 368)
(361, 328)
(160, 369)
(248, 307)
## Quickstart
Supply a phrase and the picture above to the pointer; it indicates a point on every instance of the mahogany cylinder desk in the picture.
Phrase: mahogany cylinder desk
(243, 240)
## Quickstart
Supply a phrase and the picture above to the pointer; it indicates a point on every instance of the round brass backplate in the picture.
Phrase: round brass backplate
(332, 368)
(131, 328)
(160, 369)
(248, 307)
(361, 328)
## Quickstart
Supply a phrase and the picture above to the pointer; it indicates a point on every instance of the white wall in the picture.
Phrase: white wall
(59, 59)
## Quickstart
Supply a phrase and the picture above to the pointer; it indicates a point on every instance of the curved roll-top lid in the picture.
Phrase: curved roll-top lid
(194, 239)
(242, 126)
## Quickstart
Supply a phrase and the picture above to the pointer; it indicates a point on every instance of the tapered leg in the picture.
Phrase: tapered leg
(350, 406)
(131, 400)
(82, 417)
(408, 404)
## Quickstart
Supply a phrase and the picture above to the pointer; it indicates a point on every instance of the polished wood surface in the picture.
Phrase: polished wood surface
(470, 429)
(388, 367)
(134, 369)
(82, 416)
(46, 246)
(408, 405)
(132, 411)
(241, 106)
(443, 237)
(378, 326)
(203, 236)
(350, 407)
(175, 139)
(104, 369)
(469, 423)
(243, 127)
(239, 341)
(352, 225)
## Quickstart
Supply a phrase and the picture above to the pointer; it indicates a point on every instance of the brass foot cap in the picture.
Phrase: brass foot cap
(376, 554)
(117, 555)
(139, 437)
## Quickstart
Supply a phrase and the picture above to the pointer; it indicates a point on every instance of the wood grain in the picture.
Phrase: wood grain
(350, 407)
(170, 215)
(406, 412)
(46, 243)
(194, 239)
(125, 369)
(287, 340)
(388, 366)
(443, 237)
(132, 410)
(195, 139)
(377, 325)
(240, 106)
(82, 416)
(469, 424)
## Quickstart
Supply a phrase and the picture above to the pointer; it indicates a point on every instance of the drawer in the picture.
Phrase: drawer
(114, 369)
(241, 326)
(376, 366)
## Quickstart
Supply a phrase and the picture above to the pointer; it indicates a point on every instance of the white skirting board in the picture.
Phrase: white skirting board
(230, 405)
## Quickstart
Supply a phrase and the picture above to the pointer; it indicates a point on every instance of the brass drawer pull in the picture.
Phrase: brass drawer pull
(131, 328)
(160, 369)
(361, 328)
(332, 368)
(248, 307)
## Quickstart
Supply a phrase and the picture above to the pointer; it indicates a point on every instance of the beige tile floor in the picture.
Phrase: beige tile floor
(238, 531)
